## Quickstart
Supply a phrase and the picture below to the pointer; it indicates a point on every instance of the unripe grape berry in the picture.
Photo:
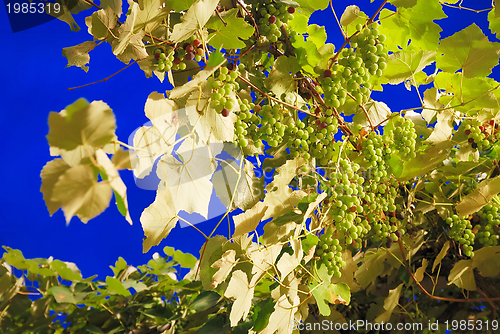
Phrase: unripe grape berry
(291, 10)
(225, 112)
(327, 73)
(257, 108)
(189, 56)
(196, 43)
(189, 48)
(272, 19)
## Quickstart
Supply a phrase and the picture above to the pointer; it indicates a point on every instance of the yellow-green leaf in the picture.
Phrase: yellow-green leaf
(468, 50)
(82, 124)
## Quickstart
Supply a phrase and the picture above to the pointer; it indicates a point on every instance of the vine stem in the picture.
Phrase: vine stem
(107, 78)
(338, 22)
(251, 16)
(467, 300)
(275, 99)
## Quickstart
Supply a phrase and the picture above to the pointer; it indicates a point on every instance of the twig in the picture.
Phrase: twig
(105, 79)
(275, 99)
(220, 17)
(338, 22)
(251, 17)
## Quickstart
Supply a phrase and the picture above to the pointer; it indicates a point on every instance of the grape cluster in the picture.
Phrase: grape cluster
(312, 137)
(487, 222)
(222, 90)
(344, 188)
(460, 229)
(270, 16)
(376, 149)
(404, 137)
(369, 46)
(481, 135)
(329, 252)
(175, 59)
(367, 57)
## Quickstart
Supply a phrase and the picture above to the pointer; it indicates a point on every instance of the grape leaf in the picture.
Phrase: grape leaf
(415, 24)
(262, 312)
(116, 183)
(195, 18)
(249, 220)
(159, 218)
(468, 50)
(247, 189)
(50, 174)
(208, 123)
(101, 23)
(313, 4)
(351, 17)
(377, 111)
(188, 87)
(78, 55)
(282, 80)
(350, 14)
(129, 44)
(189, 181)
(210, 252)
(180, 5)
(228, 36)
(117, 287)
(287, 263)
(483, 194)
(115, 5)
(317, 35)
(239, 289)
(281, 320)
(185, 260)
(403, 65)
(280, 198)
(443, 129)
(225, 264)
(151, 142)
(79, 193)
(390, 304)
(62, 294)
(467, 93)
(82, 123)
(441, 255)
(151, 14)
(494, 21)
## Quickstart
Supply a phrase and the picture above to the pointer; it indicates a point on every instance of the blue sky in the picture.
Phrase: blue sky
(34, 81)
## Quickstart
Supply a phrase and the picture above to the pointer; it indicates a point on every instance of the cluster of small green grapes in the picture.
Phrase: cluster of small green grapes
(367, 56)
(379, 205)
(461, 231)
(329, 252)
(481, 135)
(404, 137)
(369, 45)
(270, 16)
(221, 89)
(165, 61)
(375, 149)
(312, 137)
(344, 189)
(487, 222)
(272, 128)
